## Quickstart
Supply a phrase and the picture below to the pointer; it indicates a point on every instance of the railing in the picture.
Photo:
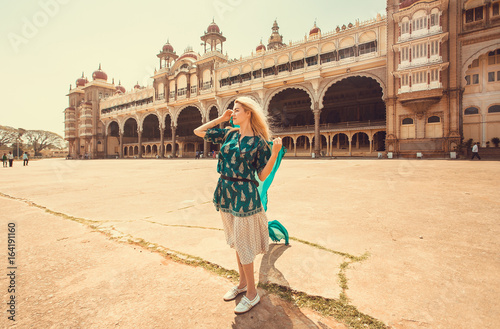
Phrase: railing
(331, 126)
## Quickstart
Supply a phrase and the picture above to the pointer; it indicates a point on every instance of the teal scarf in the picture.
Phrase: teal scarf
(277, 231)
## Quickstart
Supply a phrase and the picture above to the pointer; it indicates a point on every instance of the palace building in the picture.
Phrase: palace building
(419, 80)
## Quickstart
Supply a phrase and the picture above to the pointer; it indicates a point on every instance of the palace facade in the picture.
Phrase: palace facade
(419, 80)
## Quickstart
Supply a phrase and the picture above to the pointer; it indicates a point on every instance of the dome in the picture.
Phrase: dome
(213, 28)
(314, 30)
(168, 47)
(260, 47)
(190, 55)
(99, 75)
(81, 81)
(137, 86)
(120, 88)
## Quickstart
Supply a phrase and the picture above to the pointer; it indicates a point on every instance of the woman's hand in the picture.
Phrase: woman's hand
(226, 116)
(277, 144)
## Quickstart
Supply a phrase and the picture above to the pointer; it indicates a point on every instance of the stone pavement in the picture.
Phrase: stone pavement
(429, 227)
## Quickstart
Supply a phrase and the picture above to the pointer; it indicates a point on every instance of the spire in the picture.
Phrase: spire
(99, 66)
(113, 81)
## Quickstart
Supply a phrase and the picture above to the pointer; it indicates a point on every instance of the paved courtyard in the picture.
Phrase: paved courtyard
(429, 228)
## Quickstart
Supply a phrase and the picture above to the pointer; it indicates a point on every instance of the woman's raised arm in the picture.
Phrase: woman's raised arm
(201, 130)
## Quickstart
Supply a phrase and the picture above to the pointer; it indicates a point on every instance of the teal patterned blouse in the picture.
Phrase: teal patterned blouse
(239, 160)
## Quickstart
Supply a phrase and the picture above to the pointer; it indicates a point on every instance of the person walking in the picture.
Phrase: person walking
(4, 160)
(25, 159)
(11, 159)
(245, 151)
(475, 151)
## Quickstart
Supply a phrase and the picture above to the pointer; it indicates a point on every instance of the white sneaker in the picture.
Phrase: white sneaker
(246, 304)
(233, 293)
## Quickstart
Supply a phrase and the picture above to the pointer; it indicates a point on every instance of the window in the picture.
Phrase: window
(405, 27)
(471, 110)
(434, 119)
(419, 23)
(405, 54)
(467, 79)
(498, 75)
(419, 77)
(269, 71)
(495, 9)
(298, 64)
(494, 57)
(283, 67)
(346, 53)
(434, 47)
(405, 80)
(325, 58)
(366, 48)
(435, 75)
(473, 15)
(494, 109)
(434, 19)
(419, 50)
(313, 60)
(257, 73)
(475, 79)
(407, 128)
(491, 76)
(246, 77)
(100, 95)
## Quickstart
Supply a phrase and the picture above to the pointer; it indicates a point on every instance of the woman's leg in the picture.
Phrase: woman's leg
(249, 275)
(243, 280)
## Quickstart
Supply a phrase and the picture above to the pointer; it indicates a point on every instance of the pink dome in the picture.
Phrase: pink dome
(213, 28)
(168, 48)
(99, 75)
(81, 81)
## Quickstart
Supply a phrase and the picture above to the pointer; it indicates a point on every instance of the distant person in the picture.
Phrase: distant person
(11, 159)
(197, 156)
(475, 151)
(25, 159)
(4, 160)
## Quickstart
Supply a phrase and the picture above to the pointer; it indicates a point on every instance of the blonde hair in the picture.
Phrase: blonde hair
(258, 120)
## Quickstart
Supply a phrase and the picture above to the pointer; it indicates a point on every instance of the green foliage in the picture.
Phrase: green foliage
(496, 141)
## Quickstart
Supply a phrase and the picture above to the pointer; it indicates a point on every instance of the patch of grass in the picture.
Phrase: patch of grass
(337, 309)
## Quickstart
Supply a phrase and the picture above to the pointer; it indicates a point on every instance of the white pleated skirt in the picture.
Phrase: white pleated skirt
(249, 236)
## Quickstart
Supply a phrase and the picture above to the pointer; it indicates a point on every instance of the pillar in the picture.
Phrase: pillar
(105, 146)
(350, 146)
(139, 133)
(121, 145)
(317, 140)
(295, 147)
(329, 145)
(205, 143)
(357, 140)
(162, 140)
(371, 145)
(174, 151)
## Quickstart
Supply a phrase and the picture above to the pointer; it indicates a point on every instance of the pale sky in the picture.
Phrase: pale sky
(46, 44)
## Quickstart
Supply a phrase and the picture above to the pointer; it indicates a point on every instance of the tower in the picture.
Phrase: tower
(275, 40)
(213, 37)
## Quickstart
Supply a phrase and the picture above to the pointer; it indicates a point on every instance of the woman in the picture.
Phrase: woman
(244, 152)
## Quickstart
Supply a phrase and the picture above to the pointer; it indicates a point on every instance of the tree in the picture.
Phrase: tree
(41, 139)
(8, 135)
